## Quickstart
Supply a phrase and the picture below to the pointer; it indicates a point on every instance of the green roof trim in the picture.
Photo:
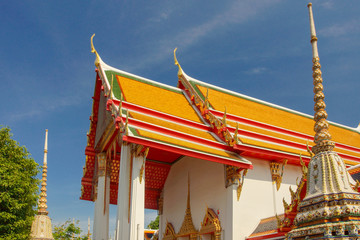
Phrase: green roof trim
(116, 87)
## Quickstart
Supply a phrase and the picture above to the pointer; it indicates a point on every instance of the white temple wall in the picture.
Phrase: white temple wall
(207, 189)
(259, 198)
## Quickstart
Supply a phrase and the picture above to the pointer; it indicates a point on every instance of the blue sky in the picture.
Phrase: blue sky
(260, 48)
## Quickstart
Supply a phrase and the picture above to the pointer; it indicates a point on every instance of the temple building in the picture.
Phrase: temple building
(216, 164)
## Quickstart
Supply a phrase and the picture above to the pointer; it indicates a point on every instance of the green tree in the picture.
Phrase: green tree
(18, 188)
(68, 230)
(154, 224)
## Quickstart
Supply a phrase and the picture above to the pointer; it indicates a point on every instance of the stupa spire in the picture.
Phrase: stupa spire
(322, 138)
(41, 226)
(43, 196)
(331, 208)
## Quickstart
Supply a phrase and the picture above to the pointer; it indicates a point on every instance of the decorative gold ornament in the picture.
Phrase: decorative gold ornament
(169, 233)
(236, 138)
(241, 183)
(276, 175)
(211, 225)
(177, 63)
(93, 50)
(224, 117)
(233, 176)
(126, 123)
(187, 227)
(101, 164)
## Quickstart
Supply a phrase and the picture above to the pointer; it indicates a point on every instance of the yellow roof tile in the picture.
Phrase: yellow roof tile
(274, 116)
(173, 126)
(157, 98)
(186, 144)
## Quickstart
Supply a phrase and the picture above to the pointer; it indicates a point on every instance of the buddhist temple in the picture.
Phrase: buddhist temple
(215, 163)
(41, 226)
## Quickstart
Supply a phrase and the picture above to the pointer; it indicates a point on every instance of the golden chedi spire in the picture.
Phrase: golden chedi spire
(43, 196)
(331, 208)
(41, 226)
(322, 136)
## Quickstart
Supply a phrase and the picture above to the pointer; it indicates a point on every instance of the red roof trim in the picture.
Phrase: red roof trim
(260, 124)
(294, 158)
(165, 116)
(268, 236)
(185, 152)
(173, 133)
(276, 129)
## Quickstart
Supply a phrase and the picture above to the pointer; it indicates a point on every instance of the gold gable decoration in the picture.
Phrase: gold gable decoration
(169, 233)
(187, 227)
(211, 224)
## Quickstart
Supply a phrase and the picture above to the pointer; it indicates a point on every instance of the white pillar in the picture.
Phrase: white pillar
(137, 199)
(234, 179)
(232, 213)
(122, 224)
(131, 194)
(101, 216)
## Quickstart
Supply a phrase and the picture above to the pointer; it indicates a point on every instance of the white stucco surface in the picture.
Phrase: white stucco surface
(207, 189)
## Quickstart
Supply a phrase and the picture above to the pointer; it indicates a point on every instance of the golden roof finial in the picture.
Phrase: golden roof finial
(322, 137)
(93, 50)
(177, 63)
(224, 117)
(42, 202)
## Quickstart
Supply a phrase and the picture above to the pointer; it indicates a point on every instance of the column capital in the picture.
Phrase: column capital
(101, 164)
(235, 176)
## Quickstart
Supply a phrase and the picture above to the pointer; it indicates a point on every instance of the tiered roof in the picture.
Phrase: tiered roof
(191, 120)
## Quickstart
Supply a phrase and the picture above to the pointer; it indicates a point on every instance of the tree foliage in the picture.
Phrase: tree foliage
(18, 188)
(154, 224)
(68, 230)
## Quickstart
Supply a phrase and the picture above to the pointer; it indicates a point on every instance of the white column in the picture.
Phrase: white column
(234, 179)
(137, 206)
(122, 223)
(131, 196)
(101, 216)
(231, 232)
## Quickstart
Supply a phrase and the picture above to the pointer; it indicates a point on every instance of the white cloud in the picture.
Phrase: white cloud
(341, 29)
(236, 13)
(257, 70)
(41, 106)
(329, 4)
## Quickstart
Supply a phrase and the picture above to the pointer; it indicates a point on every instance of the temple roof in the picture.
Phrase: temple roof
(269, 126)
(159, 114)
(195, 119)
(267, 229)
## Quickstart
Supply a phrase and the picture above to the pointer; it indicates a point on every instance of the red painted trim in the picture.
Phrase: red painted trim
(268, 138)
(165, 116)
(260, 124)
(272, 235)
(173, 133)
(271, 153)
(276, 129)
(185, 152)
